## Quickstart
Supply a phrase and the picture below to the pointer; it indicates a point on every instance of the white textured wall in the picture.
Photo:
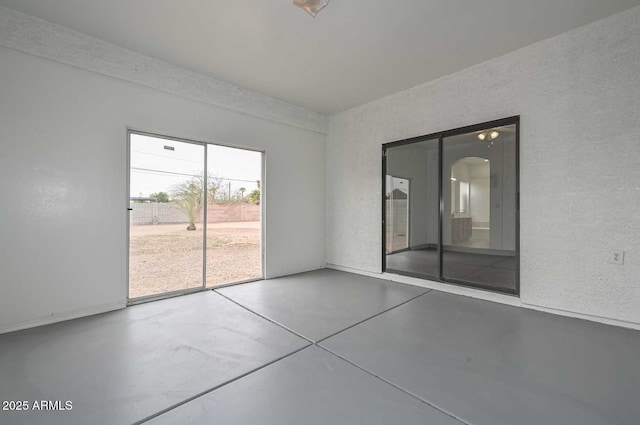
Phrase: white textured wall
(63, 194)
(35, 36)
(578, 96)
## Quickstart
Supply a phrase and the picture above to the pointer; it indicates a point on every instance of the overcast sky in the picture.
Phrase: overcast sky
(155, 167)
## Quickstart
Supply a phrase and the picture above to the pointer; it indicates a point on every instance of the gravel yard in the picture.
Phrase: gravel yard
(167, 257)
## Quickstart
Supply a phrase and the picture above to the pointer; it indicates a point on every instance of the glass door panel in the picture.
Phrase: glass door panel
(234, 226)
(411, 209)
(480, 208)
(166, 233)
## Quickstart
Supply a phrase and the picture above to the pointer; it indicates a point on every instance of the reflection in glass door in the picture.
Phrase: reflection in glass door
(479, 220)
(397, 208)
(464, 206)
(416, 252)
(166, 233)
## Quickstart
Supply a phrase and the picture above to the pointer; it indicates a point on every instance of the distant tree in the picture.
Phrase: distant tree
(254, 196)
(161, 197)
(242, 190)
(188, 197)
(214, 183)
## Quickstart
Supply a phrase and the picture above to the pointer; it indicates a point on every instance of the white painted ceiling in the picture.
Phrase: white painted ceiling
(353, 52)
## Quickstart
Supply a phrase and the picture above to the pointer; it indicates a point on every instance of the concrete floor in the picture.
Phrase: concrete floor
(493, 271)
(319, 304)
(324, 347)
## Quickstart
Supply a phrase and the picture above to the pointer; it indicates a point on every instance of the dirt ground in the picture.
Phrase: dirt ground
(168, 257)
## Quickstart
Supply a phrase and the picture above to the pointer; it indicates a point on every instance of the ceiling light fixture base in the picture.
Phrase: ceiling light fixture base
(311, 6)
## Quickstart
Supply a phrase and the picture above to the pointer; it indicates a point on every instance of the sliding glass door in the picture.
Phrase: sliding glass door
(479, 196)
(463, 218)
(166, 236)
(194, 216)
(234, 249)
(412, 209)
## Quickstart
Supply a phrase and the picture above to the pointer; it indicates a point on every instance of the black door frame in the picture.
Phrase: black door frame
(440, 136)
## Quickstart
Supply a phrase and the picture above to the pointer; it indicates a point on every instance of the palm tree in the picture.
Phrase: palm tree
(242, 190)
(254, 196)
(214, 183)
(188, 197)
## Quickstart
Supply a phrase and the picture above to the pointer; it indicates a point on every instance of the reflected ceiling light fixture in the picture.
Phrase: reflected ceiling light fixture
(488, 136)
(311, 6)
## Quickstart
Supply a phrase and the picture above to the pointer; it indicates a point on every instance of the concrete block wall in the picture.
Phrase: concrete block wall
(219, 213)
(170, 213)
(157, 213)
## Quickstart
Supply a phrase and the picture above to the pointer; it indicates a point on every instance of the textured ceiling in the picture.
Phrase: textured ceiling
(353, 52)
